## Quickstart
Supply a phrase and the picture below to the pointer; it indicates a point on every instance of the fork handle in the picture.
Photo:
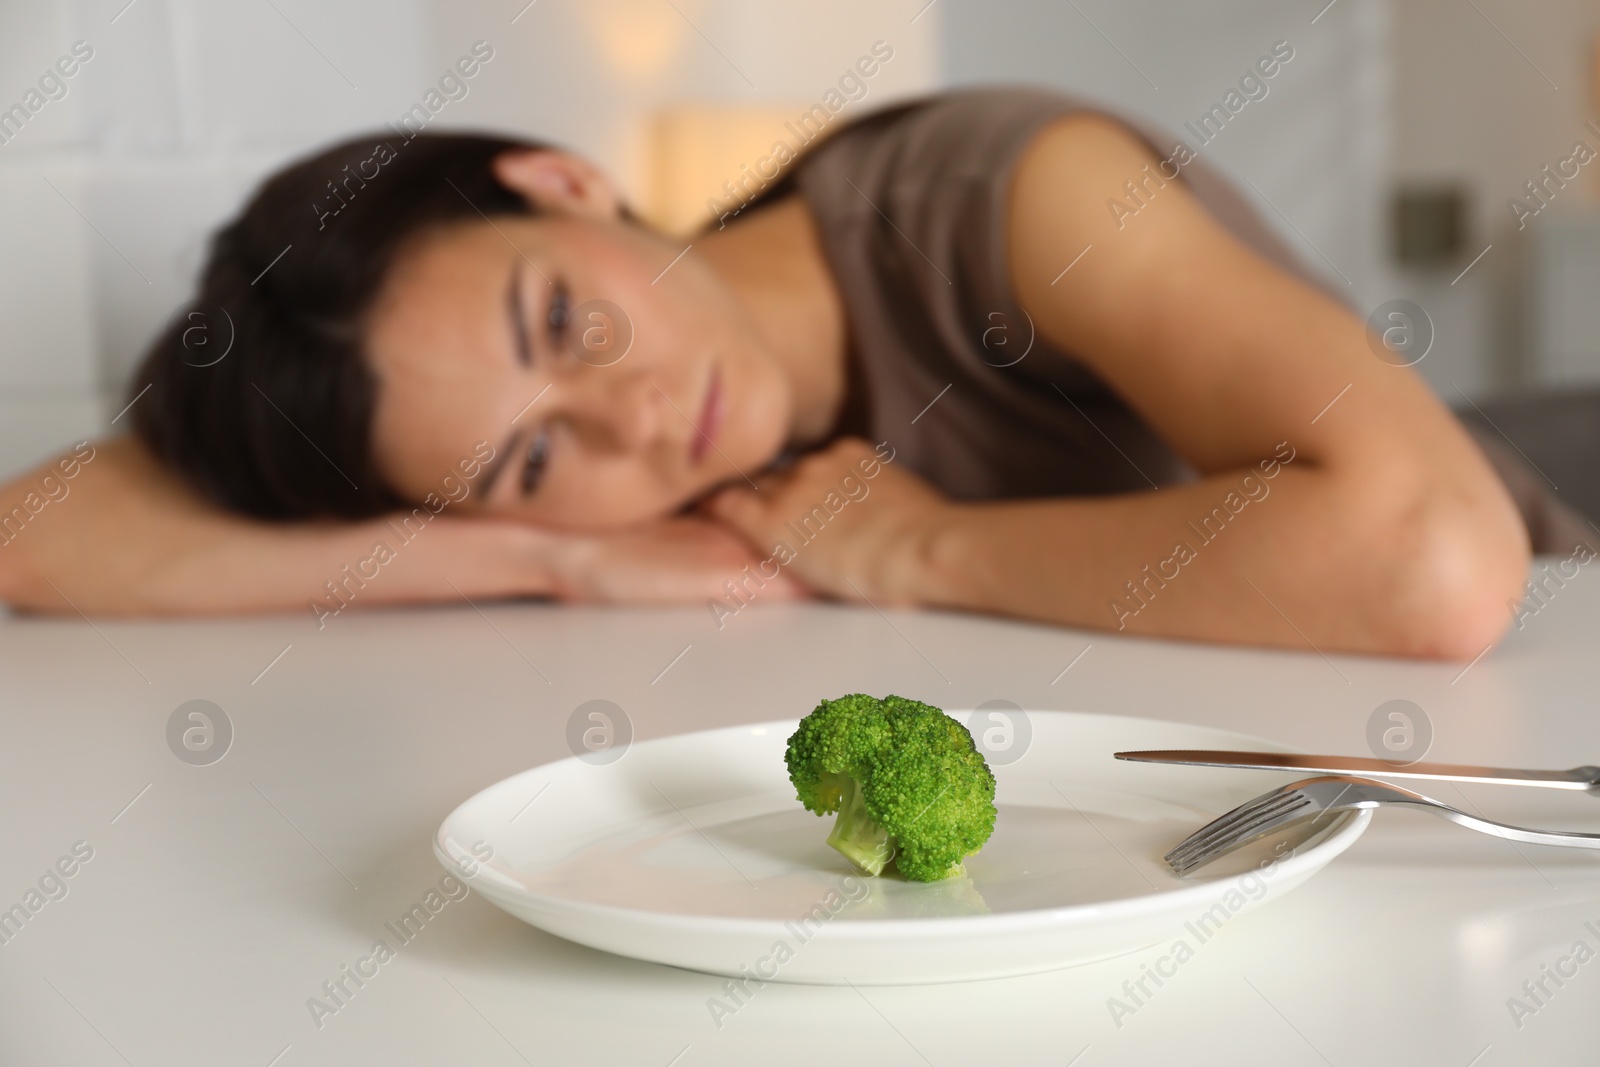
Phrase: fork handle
(1561, 838)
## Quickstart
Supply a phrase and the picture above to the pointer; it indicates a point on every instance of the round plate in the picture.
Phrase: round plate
(693, 851)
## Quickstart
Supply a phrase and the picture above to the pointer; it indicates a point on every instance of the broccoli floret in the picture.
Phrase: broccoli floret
(905, 778)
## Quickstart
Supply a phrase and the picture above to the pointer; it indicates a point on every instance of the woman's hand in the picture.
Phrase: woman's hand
(856, 526)
(673, 561)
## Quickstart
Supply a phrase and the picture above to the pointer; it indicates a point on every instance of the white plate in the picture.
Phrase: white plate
(693, 851)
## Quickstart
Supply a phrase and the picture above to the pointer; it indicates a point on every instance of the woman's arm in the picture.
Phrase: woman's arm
(1388, 532)
(1340, 505)
(122, 536)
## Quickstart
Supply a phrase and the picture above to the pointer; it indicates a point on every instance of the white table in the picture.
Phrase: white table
(220, 898)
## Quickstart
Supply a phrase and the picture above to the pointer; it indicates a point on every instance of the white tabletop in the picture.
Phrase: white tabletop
(219, 898)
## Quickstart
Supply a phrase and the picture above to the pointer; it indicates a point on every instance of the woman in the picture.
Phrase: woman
(930, 365)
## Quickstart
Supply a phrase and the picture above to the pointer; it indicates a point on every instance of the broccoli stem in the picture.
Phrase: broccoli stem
(856, 836)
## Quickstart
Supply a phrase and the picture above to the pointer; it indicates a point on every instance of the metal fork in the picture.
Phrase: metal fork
(1331, 794)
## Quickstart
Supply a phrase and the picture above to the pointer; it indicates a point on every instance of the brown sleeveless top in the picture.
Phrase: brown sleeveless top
(910, 207)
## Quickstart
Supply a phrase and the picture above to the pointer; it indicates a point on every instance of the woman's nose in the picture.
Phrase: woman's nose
(614, 410)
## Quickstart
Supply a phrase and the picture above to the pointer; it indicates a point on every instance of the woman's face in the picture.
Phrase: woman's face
(614, 382)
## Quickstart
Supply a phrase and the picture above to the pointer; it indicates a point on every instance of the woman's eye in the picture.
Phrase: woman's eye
(559, 313)
(534, 463)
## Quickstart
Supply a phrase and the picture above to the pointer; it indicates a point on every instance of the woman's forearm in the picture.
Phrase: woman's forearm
(122, 537)
(325, 570)
(1304, 558)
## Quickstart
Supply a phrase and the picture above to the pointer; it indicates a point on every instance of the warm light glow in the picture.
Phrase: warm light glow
(703, 156)
(638, 38)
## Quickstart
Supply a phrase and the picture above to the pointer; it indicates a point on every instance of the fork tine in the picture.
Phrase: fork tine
(1222, 845)
(1241, 835)
(1245, 833)
(1261, 808)
(1235, 830)
(1237, 816)
(1234, 827)
(1227, 818)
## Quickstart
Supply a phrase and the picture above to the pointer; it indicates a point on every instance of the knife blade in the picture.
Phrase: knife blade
(1580, 778)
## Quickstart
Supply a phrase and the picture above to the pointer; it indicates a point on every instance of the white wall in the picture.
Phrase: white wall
(181, 107)
(47, 365)
(1478, 108)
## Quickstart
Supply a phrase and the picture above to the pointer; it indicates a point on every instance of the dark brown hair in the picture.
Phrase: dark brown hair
(280, 426)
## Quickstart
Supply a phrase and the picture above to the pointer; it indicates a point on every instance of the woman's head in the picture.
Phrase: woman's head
(391, 303)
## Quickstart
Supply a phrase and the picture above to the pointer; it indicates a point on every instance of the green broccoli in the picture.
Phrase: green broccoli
(907, 781)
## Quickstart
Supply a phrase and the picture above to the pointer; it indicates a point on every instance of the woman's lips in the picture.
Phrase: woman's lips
(710, 418)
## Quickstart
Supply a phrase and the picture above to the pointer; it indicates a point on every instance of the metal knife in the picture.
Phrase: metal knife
(1586, 779)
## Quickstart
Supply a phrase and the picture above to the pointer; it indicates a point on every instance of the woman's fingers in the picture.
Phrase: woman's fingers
(680, 560)
(845, 520)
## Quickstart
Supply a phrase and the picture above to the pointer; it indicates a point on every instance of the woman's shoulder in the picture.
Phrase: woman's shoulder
(936, 168)
(941, 136)
(961, 128)
(909, 200)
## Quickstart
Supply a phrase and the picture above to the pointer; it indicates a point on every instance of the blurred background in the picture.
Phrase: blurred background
(1392, 151)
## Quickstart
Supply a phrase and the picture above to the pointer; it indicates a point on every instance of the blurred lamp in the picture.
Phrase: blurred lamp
(638, 39)
(706, 159)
